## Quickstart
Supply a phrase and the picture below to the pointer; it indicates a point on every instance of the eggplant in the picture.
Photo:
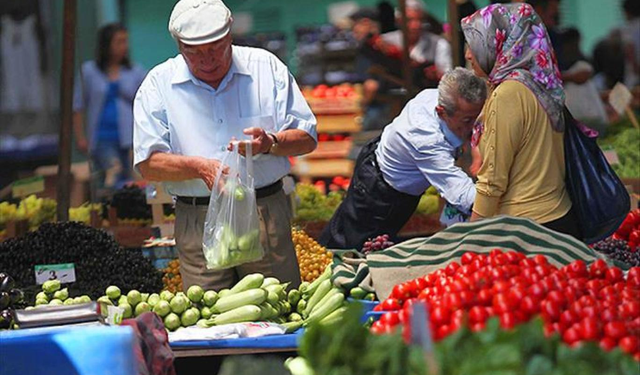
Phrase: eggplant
(16, 296)
(6, 319)
(6, 282)
(5, 300)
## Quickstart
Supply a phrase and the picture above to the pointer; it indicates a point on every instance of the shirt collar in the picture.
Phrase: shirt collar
(183, 74)
(453, 139)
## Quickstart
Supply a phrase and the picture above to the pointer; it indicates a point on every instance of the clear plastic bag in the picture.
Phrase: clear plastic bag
(231, 229)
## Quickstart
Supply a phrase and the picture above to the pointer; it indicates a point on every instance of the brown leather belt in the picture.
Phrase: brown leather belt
(262, 192)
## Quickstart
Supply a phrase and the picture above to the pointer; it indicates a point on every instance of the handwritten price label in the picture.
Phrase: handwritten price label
(65, 272)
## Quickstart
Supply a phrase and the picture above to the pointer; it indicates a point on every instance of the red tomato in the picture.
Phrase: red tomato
(467, 258)
(578, 269)
(507, 320)
(501, 286)
(485, 297)
(452, 268)
(501, 303)
(558, 298)
(537, 290)
(590, 329)
(550, 311)
(568, 318)
(607, 343)
(589, 312)
(390, 304)
(530, 305)
(468, 298)
(419, 284)
(477, 327)
(443, 331)
(616, 330)
(598, 269)
(571, 336)
(478, 314)
(540, 260)
(402, 291)
(549, 329)
(633, 276)
(440, 316)
(608, 314)
(630, 344)
(634, 236)
(390, 318)
(527, 263)
(379, 328)
(630, 310)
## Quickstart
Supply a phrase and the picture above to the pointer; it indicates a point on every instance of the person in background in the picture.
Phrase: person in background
(103, 105)
(365, 28)
(425, 47)
(416, 151)
(631, 39)
(521, 131)
(189, 109)
(609, 61)
(386, 17)
(582, 100)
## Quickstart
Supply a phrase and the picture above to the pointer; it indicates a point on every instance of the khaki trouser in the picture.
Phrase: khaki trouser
(275, 235)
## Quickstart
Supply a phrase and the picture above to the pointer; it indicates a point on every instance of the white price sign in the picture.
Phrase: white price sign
(65, 272)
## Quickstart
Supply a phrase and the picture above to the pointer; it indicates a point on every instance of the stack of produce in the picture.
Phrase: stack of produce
(321, 301)
(579, 303)
(255, 298)
(83, 212)
(172, 279)
(36, 210)
(98, 259)
(312, 257)
(349, 348)
(10, 299)
(52, 294)
(376, 244)
(313, 205)
(624, 245)
(131, 206)
(625, 143)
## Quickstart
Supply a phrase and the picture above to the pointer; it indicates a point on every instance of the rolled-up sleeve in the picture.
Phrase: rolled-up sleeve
(454, 185)
(503, 128)
(151, 129)
(292, 110)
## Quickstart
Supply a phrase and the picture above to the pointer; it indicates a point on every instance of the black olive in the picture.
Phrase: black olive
(5, 300)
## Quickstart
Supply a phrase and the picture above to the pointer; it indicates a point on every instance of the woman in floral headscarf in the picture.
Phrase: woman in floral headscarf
(520, 133)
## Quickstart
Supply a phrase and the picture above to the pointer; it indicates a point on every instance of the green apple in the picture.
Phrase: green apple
(113, 292)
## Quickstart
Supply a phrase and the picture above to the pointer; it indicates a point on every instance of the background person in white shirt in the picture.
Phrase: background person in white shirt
(187, 111)
(417, 150)
(425, 47)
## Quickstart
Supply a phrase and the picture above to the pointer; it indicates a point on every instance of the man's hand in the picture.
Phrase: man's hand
(260, 144)
(208, 171)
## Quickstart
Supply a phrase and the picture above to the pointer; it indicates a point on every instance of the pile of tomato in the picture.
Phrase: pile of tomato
(595, 303)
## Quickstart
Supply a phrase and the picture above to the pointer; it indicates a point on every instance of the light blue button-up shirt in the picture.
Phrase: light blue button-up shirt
(174, 112)
(417, 150)
(90, 92)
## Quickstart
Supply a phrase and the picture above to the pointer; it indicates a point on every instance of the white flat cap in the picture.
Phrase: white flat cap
(199, 21)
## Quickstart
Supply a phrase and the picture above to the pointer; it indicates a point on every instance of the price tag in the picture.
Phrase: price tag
(27, 186)
(611, 156)
(620, 97)
(65, 272)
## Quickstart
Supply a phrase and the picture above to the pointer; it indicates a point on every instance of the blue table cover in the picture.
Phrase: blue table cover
(267, 342)
(68, 351)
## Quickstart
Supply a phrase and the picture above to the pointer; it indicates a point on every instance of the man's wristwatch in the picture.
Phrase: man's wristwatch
(274, 143)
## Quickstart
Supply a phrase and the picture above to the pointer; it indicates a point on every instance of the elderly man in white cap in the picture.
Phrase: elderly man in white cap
(189, 109)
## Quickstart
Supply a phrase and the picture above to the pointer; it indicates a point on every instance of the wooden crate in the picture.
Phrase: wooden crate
(308, 169)
(334, 106)
(349, 123)
(331, 150)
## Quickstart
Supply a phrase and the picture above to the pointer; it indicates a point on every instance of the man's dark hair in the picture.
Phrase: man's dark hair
(541, 3)
(103, 47)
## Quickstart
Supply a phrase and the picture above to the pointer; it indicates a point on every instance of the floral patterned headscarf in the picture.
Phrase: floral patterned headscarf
(510, 42)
